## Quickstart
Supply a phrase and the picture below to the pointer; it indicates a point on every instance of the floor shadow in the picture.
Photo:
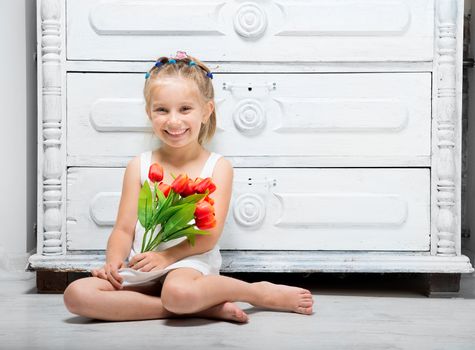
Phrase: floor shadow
(171, 322)
(85, 320)
(194, 322)
(32, 290)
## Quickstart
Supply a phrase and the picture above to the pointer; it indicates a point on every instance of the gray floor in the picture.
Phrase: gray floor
(351, 312)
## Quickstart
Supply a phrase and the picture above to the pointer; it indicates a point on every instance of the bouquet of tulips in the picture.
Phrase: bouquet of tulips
(173, 207)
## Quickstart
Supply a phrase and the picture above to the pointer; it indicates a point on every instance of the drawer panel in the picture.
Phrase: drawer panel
(309, 30)
(383, 114)
(283, 209)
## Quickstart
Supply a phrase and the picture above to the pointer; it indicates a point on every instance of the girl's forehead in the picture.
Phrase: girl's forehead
(176, 87)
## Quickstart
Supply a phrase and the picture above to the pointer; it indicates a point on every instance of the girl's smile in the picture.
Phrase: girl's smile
(176, 134)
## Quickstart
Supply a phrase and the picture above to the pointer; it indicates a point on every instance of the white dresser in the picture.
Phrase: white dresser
(342, 120)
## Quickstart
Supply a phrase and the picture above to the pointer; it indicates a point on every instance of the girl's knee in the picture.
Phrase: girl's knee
(78, 292)
(179, 298)
(72, 296)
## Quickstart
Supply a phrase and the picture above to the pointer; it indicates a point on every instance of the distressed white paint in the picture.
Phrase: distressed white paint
(289, 261)
(325, 30)
(51, 127)
(266, 115)
(447, 129)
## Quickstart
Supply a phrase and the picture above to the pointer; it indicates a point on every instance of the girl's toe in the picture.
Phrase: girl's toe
(305, 310)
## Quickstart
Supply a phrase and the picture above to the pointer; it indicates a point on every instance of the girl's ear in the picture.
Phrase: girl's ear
(209, 108)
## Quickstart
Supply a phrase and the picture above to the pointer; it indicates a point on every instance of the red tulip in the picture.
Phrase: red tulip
(155, 172)
(164, 188)
(197, 181)
(206, 184)
(203, 209)
(189, 189)
(206, 222)
(209, 200)
(180, 183)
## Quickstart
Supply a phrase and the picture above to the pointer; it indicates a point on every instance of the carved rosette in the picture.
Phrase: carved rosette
(249, 117)
(446, 119)
(250, 21)
(249, 210)
(51, 127)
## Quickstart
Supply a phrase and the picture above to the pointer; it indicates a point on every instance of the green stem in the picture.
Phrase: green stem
(155, 199)
(156, 241)
(150, 238)
(143, 240)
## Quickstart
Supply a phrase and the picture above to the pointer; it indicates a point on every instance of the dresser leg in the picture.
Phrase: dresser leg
(55, 282)
(442, 284)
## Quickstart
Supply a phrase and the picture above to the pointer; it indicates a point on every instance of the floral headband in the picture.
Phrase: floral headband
(180, 55)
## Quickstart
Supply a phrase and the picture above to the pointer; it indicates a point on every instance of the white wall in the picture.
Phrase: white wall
(17, 132)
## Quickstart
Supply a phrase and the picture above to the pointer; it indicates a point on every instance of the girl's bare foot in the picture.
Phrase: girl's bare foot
(225, 311)
(284, 298)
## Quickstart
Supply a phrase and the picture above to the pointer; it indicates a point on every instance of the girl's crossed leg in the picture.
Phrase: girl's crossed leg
(97, 298)
(186, 290)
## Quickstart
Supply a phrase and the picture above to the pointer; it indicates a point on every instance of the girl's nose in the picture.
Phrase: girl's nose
(174, 119)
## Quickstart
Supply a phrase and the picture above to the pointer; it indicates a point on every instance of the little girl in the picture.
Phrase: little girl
(180, 104)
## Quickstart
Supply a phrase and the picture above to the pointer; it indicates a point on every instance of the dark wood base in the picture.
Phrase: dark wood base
(55, 282)
(442, 284)
(429, 284)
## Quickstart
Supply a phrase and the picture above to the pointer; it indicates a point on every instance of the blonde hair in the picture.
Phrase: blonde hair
(196, 73)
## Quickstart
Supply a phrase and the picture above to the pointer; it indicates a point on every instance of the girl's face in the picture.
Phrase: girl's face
(177, 110)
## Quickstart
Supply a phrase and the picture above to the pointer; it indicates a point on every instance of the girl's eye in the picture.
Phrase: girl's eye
(160, 110)
(186, 108)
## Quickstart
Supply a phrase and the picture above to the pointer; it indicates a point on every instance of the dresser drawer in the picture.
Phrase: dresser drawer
(272, 31)
(283, 209)
(372, 114)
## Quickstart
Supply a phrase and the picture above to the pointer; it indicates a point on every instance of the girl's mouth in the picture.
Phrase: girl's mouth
(176, 134)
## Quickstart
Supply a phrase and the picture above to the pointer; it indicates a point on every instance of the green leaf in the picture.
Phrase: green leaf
(180, 218)
(175, 234)
(194, 230)
(164, 206)
(186, 231)
(161, 197)
(167, 213)
(145, 210)
(194, 198)
(176, 198)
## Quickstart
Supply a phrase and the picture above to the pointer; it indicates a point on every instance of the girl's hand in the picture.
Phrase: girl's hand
(149, 261)
(110, 272)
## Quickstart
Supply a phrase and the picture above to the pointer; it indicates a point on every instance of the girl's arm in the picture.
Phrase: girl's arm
(122, 236)
(223, 179)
